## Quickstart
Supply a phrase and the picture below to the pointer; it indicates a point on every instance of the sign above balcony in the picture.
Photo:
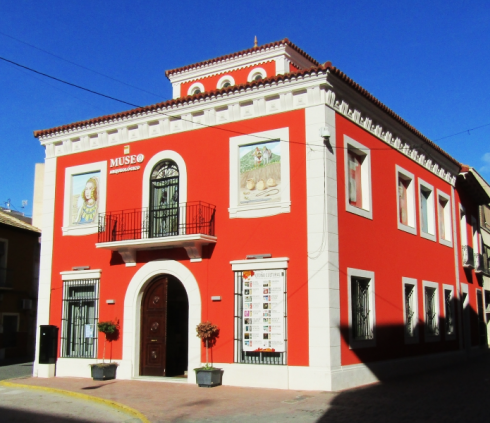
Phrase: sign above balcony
(128, 162)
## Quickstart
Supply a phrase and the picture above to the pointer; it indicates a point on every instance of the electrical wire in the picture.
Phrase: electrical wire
(80, 66)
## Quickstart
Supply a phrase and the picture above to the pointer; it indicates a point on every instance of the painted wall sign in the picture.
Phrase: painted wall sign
(263, 310)
(124, 161)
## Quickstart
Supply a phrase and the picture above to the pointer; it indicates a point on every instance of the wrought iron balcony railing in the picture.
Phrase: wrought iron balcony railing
(184, 219)
(468, 257)
(6, 278)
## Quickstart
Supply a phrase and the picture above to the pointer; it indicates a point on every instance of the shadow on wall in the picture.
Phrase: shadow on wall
(442, 390)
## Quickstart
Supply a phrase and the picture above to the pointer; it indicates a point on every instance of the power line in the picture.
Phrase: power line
(80, 66)
(463, 132)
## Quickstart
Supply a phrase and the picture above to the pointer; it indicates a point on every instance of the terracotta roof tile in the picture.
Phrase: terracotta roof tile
(284, 41)
(326, 67)
(7, 219)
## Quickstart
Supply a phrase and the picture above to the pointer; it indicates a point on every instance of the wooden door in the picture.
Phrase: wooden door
(154, 329)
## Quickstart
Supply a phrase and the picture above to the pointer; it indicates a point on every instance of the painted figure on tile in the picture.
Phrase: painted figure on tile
(88, 210)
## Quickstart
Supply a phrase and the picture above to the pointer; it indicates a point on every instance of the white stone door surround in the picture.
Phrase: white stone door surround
(129, 366)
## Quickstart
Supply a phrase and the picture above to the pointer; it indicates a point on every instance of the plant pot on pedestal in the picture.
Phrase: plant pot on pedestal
(207, 378)
(104, 371)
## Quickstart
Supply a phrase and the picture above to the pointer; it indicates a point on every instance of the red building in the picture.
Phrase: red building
(274, 197)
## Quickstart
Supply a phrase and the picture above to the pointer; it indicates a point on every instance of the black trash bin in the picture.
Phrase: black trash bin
(48, 344)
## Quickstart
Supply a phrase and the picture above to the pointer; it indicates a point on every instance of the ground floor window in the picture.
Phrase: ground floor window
(410, 309)
(431, 310)
(361, 308)
(260, 316)
(449, 317)
(80, 317)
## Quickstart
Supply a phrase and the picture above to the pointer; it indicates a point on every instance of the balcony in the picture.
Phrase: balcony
(479, 263)
(468, 257)
(6, 278)
(188, 225)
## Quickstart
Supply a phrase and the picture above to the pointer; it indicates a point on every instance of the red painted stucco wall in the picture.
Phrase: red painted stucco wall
(206, 154)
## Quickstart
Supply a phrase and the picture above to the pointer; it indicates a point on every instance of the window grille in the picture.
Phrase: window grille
(448, 298)
(361, 309)
(80, 317)
(431, 315)
(409, 311)
(253, 357)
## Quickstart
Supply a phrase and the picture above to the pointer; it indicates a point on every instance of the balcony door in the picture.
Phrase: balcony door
(164, 200)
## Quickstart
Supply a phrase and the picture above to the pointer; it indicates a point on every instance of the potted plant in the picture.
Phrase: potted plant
(105, 371)
(208, 376)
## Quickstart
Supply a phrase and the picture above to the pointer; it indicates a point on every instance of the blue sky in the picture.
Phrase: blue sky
(428, 61)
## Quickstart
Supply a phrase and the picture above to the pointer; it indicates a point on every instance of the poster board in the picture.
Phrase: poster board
(263, 310)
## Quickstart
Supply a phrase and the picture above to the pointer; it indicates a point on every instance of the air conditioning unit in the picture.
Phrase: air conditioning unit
(26, 304)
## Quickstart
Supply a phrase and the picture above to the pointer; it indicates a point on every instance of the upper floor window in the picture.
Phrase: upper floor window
(196, 88)
(444, 216)
(164, 199)
(256, 74)
(225, 81)
(427, 212)
(358, 178)
(405, 185)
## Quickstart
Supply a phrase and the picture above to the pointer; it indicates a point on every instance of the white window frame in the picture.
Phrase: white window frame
(445, 288)
(448, 238)
(431, 214)
(366, 210)
(253, 210)
(475, 230)
(194, 86)
(88, 228)
(223, 80)
(256, 71)
(411, 228)
(415, 306)
(428, 336)
(76, 275)
(364, 274)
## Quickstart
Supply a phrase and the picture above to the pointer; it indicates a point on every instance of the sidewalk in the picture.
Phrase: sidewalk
(456, 393)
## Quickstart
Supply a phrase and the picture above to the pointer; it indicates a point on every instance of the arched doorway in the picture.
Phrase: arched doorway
(164, 328)
(164, 199)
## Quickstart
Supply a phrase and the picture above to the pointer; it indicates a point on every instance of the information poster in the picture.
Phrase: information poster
(263, 310)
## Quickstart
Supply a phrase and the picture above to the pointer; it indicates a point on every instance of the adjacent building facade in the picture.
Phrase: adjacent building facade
(276, 198)
(19, 270)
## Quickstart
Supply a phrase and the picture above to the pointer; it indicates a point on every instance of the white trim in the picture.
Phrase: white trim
(446, 287)
(46, 262)
(194, 86)
(415, 303)
(476, 235)
(256, 71)
(158, 157)
(224, 79)
(463, 229)
(74, 275)
(129, 366)
(365, 274)
(433, 285)
(259, 264)
(367, 199)
(431, 218)
(85, 229)
(252, 210)
(411, 228)
(448, 239)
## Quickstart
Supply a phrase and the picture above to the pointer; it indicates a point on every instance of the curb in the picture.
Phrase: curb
(113, 404)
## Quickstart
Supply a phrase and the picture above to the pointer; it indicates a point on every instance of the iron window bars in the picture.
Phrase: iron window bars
(449, 322)
(431, 315)
(80, 316)
(253, 357)
(409, 310)
(361, 309)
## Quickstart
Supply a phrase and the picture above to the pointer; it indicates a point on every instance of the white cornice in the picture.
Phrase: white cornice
(270, 98)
